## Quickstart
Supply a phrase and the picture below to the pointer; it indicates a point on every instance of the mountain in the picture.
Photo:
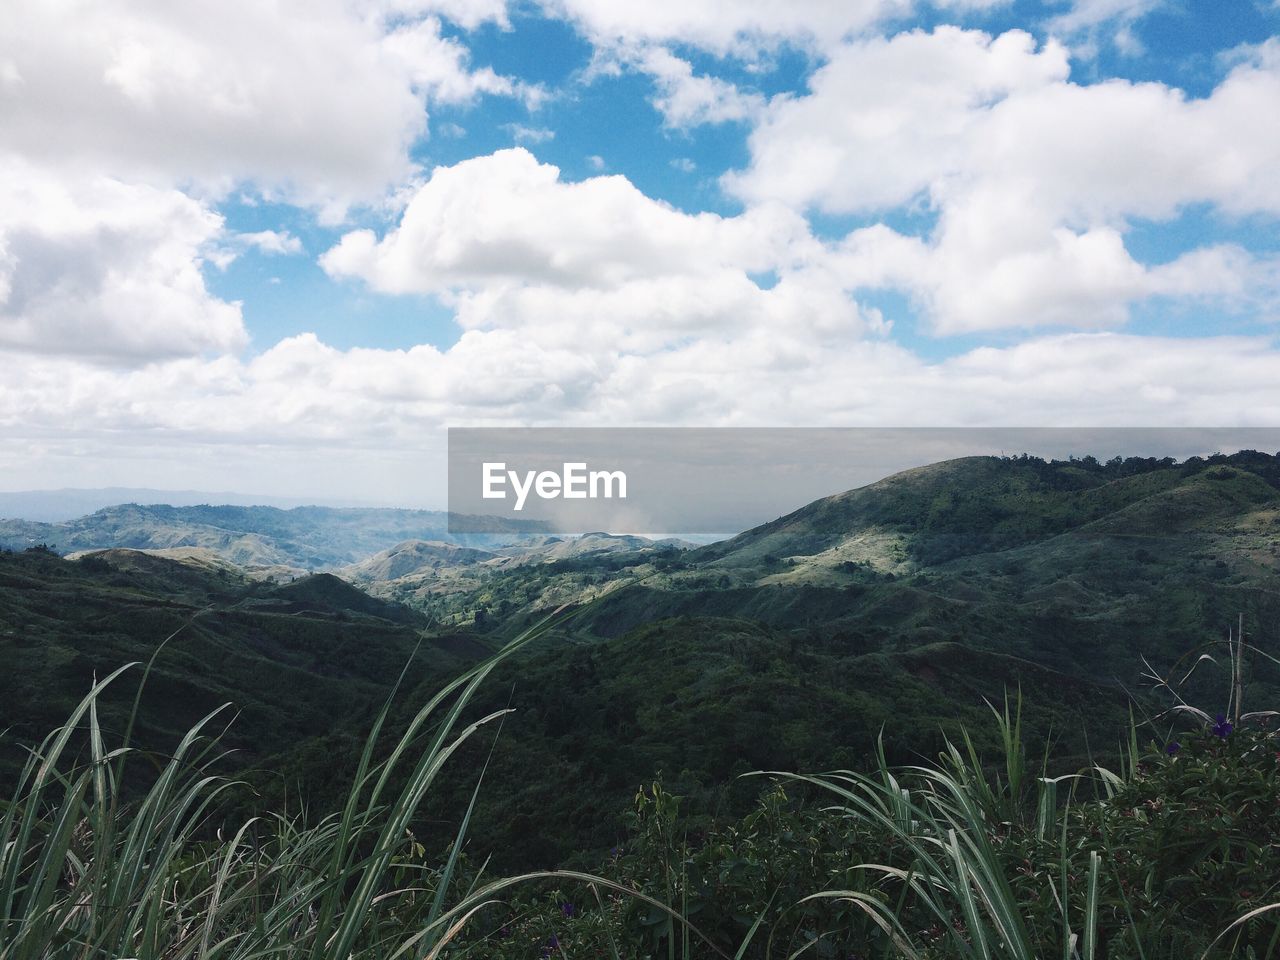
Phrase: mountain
(415, 558)
(597, 544)
(897, 610)
(254, 537)
(306, 659)
(426, 574)
(56, 506)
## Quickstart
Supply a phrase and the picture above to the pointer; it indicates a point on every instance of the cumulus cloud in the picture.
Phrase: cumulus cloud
(686, 99)
(314, 102)
(888, 117)
(587, 302)
(439, 66)
(596, 265)
(510, 245)
(737, 27)
(108, 270)
(1032, 180)
(125, 125)
(302, 394)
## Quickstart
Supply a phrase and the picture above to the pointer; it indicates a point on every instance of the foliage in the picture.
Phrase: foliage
(301, 661)
(954, 859)
(88, 873)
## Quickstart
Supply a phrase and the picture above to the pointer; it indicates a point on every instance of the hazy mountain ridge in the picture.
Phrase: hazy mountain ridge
(297, 540)
(70, 503)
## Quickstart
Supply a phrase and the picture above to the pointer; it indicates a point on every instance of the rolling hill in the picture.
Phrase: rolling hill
(901, 607)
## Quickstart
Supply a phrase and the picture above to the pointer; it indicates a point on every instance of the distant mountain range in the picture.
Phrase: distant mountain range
(262, 540)
(56, 506)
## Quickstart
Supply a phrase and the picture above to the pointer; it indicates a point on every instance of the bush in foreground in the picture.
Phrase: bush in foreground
(1174, 855)
(957, 859)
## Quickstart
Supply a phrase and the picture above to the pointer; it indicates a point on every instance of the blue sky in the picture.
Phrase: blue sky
(238, 246)
(1184, 45)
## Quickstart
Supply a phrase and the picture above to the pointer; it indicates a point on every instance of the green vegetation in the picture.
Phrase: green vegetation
(754, 653)
(301, 660)
(950, 859)
(1173, 854)
(89, 872)
(864, 633)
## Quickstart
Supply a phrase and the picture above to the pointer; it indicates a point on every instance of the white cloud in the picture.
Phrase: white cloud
(1034, 179)
(467, 14)
(887, 118)
(512, 246)
(123, 125)
(588, 302)
(111, 271)
(737, 27)
(439, 66)
(508, 218)
(1085, 14)
(315, 102)
(686, 100)
(303, 401)
(269, 241)
(523, 133)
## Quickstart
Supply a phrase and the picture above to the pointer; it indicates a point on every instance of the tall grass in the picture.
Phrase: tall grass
(953, 869)
(88, 873)
(947, 821)
(85, 873)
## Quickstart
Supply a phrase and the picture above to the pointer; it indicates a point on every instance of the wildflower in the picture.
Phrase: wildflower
(566, 909)
(1222, 727)
(1173, 747)
(552, 946)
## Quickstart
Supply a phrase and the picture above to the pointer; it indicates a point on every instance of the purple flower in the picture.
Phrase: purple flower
(552, 946)
(1222, 727)
(566, 909)
(1173, 747)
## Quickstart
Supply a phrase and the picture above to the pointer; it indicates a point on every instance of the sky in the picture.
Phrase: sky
(279, 246)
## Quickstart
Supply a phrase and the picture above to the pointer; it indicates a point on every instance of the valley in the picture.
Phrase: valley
(897, 610)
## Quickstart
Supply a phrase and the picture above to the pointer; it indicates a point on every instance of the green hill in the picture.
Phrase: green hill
(297, 661)
(779, 649)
